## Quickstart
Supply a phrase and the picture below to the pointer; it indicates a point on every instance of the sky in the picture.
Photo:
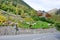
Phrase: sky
(43, 4)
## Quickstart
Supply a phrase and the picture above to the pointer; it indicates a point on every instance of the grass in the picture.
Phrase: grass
(40, 24)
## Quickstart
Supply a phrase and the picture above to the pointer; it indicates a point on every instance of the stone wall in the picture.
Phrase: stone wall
(12, 31)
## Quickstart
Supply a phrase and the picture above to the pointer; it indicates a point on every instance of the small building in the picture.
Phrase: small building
(43, 14)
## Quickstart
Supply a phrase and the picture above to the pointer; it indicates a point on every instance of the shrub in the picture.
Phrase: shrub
(40, 24)
(28, 19)
(42, 18)
(2, 19)
(23, 25)
(57, 26)
(36, 18)
(49, 20)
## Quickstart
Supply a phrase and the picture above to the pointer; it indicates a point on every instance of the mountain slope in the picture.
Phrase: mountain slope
(53, 11)
(55, 15)
(16, 11)
(17, 1)
(16, 7)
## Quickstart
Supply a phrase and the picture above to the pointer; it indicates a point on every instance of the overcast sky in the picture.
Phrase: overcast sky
(43, 4)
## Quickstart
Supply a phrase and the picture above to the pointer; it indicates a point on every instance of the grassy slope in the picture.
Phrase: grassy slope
(19, 2)
(17, 18)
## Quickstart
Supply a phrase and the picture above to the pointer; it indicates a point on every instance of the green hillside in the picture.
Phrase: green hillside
(18, 12)
(16, 7)
(15, 11)
(17, 1)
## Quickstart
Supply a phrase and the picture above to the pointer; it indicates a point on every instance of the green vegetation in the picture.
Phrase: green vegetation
(17, 11)
(40, 24)
(23, 25)
(57, 26)
(3, 19)
(56, 18)
(49, 20)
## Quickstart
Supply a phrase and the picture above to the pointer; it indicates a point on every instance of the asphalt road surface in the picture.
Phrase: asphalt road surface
(44, 36)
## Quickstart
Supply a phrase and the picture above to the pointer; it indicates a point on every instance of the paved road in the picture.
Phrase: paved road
(45, 36)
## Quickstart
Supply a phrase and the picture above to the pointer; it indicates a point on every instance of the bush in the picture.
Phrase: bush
(2, 19)
(49, 20)
(57, 26)
(36, 18)
(28, 19)
(42, 18)
(23, 25)
(0, 24)
(40, 24)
